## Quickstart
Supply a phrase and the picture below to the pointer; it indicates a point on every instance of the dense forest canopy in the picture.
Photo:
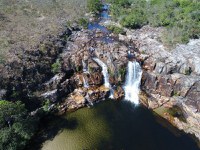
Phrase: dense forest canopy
(180, 17)
(16, 126)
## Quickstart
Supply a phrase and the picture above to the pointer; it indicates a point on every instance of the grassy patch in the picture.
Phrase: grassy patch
(23, 23)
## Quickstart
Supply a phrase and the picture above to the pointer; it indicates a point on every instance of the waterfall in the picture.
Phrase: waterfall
(90, 103)
(84, 66)
(85, 83)
(104, 72)
(105, 75)
(133, 78)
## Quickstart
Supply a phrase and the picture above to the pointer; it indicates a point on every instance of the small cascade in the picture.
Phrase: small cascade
(111, 94)
(104, 71)
(90, 103)
(106, 76)
(85, 69)
(133, 78)
(85, 83)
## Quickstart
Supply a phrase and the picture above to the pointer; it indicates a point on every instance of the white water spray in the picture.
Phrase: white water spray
(85, 83)
(106, 75)
(85, 69)
(132, 84)
(104, 71)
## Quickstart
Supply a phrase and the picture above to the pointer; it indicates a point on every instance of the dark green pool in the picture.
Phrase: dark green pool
(113, 126)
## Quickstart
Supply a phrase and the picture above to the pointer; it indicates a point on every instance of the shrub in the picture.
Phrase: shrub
(94, 6)
(55, 67)
(122, 72)
(134, 20)
(46, 105)
(83, 22)
(116, 30)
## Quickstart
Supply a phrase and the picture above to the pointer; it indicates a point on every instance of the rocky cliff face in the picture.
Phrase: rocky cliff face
(171, 78)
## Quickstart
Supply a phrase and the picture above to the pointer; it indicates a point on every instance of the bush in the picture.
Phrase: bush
(94, 6)
(55, 67)
(122, 72)
(83, 22)
(134, 20)
(46, 105)
(116, 30)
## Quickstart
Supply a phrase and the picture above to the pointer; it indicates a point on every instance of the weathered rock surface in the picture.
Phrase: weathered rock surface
(171, 77)
(71, 54)
(84, 97)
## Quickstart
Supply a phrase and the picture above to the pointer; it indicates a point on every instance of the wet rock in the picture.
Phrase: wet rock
(82, 97)
(118, 93)
(2, 94)
(50, 95)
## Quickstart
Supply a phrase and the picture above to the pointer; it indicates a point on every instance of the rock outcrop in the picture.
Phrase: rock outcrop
(171, 78)
(58, 69)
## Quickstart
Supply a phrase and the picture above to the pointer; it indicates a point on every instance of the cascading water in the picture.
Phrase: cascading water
(85, 83)
(84, 66)
(133, 78)
(105, 74)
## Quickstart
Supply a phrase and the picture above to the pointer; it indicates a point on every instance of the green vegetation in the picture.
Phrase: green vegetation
(46, 105)
(111, 72)
(16, 126)
(94, 6)
(122, 72)
(177, 112)
(83, 22)
(90, 69)
(78, 68)
(188, 71)
(115, 29)
(181, 18)
(175, 93)
(55, 67)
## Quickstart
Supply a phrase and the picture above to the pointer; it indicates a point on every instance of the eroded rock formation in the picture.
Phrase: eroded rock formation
(171, 78)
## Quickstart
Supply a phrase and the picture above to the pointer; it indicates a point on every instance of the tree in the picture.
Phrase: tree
(134, 20)
(94, 6)
(16, 126)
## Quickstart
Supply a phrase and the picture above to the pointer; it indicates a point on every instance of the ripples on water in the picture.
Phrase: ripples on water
(115, 126)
